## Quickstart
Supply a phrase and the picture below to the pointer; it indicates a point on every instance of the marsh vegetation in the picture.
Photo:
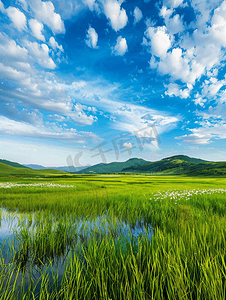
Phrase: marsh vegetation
(113, 237)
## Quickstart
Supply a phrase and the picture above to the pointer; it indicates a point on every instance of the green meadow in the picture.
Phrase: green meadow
(79, 220)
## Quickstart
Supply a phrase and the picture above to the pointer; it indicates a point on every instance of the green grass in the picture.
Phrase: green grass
(185, 259)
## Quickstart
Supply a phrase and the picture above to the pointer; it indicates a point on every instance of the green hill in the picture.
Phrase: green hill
(113, 167)
(175, 165)
(180, 165)
(170, 166)
(12, 164)
(8, 170)
(185, 158)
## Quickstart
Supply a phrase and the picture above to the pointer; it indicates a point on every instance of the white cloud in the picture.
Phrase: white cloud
(127, 117)
(189, 57)
(127, 145)
(90, 3)
(160, 41)
(137, 15)
(45, 13)
(53, 43)
(41, 54)
(56, 117)
(121, 47)
(9, 73)
(165, 12)
(2, 8)
(203, 10)
(211, 87)
(196, 138)
(117, 15)
(176, 65)
(173, 3)
(46, 131)
(36, 28)
(17, 17)
(205, 134)
(174, 24)
(24, 4)
(10, 51)
(199, 100)
(173, 89)
(218, 24)
(91, 38)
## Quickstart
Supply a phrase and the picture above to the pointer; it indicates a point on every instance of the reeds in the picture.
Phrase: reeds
(74, 249)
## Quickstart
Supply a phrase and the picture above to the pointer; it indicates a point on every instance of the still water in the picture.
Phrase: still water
(15, 227)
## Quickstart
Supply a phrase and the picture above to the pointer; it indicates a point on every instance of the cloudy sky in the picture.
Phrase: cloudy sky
(108, 80)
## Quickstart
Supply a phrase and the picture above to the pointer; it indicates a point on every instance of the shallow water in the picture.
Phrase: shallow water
(83, 231)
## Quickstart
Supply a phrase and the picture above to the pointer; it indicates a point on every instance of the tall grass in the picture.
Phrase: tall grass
(185, 259)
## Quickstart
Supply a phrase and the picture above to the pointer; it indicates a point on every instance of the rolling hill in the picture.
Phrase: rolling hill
(180, 165)
(12, 164)
(8, 170)
(113, 167)
(174, 165)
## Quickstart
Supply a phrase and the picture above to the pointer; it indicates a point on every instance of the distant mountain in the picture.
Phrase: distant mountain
(69, 169)
(113, 167)
(174, 165)
(35, 167)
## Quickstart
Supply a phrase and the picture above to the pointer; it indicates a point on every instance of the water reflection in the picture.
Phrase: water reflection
(47, 245)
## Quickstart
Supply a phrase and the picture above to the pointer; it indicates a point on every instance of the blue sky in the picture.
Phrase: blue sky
(108, 80)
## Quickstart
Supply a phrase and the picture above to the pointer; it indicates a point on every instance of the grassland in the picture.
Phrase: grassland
(185, 258)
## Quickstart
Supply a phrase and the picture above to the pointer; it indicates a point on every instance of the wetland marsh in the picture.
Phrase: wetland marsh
(113, 237)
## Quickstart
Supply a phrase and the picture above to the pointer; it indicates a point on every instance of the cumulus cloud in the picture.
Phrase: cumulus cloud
(199, 100)
(11, 51)
(41, 54)
(17, 17)
(53, 43)
(173, 89)
(117, 15)
(158, 40)
(2, 8)
(137, 15)
(218, 24)
(45, 13)
(211, 87)
(191, 57)
(121, 47)
(56, 117)
(9, 73)
(173, 3)
(91, 38)
(11, 111)
(24, 4)
(36, 28)
(127, 145)
(173, 24)
(90, 3)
